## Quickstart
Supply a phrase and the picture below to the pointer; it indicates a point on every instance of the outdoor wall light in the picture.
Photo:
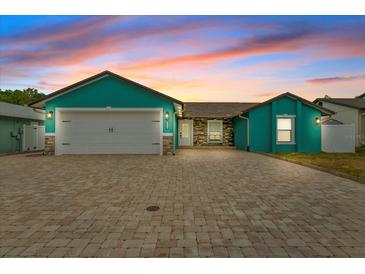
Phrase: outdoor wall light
(318, 121)
(50, 114)
(167, 114)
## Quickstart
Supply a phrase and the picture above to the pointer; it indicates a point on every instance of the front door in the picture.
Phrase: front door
(185, 132)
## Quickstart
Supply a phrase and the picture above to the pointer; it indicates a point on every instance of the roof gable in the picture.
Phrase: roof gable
(40, 102)
(294, 97)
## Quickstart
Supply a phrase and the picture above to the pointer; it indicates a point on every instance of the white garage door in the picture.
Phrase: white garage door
(108, 132)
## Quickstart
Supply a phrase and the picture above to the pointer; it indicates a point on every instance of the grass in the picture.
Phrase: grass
(345, 164)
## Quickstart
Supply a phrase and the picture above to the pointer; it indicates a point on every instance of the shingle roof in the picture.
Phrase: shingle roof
(215, 110)
(358, 103)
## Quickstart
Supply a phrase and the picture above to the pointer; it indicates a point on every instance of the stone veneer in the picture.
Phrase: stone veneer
(49, 145)
(200, 132)
(168, 143)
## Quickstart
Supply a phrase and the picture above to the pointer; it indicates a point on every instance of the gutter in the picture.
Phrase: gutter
(247, 130)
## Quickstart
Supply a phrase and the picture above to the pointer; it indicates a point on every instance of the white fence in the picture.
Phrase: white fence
(338, 138)
(33, 137)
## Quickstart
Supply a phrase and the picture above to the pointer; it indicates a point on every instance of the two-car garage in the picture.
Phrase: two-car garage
(108, 131)
(109, 114)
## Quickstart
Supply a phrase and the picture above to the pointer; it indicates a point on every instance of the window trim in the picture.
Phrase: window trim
(208, 130)
(292, 118)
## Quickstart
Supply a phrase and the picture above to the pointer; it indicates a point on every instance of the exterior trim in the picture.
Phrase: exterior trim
(293, 122)
(50, 134)
(58, 110)
(221, 123)
(168, 134)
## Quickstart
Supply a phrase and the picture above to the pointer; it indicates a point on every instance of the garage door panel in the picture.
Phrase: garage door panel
(98, 132)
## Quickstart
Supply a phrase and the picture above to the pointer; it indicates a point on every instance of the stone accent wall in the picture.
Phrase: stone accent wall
(200, 132)
(168, 142)
(49, 145)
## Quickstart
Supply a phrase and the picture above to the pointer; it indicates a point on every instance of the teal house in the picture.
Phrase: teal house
(107, 113)
(286, 123)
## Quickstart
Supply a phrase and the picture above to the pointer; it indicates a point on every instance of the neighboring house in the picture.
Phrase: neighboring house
(107, 113)
(12, 121)
(348, 111)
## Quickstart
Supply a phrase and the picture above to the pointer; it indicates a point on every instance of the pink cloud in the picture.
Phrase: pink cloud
(335, 79)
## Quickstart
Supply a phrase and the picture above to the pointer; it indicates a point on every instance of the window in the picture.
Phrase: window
(215, 131)
(285, 129)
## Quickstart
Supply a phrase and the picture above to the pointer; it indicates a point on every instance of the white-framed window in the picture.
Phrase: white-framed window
(215, 131)
(285, 129)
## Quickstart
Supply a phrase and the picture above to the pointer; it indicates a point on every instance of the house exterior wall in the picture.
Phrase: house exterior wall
(12, 125)
(200, 132)
(111, 92)
(263, 127)
(240, 133)
(362, 127)
(346, 115)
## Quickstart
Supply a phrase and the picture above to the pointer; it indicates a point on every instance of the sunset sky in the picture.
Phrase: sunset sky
(192, 58)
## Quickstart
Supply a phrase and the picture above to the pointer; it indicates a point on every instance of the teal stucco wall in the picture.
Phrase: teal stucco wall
(240, 133)
(263, 127)
(14, 126)
(111, 92)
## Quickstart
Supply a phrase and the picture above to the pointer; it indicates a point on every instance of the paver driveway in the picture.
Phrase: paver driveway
(222, 203)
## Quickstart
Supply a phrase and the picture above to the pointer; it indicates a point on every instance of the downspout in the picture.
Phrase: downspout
(247, 130)
(173, 130)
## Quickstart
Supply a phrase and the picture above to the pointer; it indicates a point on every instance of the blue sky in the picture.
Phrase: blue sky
(192, 58)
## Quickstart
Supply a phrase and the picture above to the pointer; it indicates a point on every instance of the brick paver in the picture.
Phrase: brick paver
(213, 203)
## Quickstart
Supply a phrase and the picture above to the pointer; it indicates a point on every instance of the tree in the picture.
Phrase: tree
(20, 97)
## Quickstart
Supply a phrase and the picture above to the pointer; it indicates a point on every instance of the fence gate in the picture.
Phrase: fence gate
(33, 137)
(338, 138)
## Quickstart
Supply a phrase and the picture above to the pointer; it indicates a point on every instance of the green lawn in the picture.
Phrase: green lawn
(352, 164)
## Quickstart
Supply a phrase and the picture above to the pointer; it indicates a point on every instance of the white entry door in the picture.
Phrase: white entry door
(108, 132)
(185, 132)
